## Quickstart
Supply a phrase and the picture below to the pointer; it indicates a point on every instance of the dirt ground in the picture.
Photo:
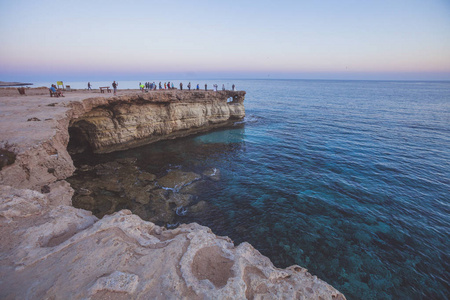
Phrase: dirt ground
(12, 91)
(39, 91)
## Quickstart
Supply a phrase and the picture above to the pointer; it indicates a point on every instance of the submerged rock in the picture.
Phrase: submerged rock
(84, 192)
(159, 195)
(108, 168)
(85, 168)
(139, 195)
(144, 176)
(176, 179)
(106, 183)
(193, 188)
(85, 202)
(180, 199)
(213, 174)
(199, 207)
(140, 210)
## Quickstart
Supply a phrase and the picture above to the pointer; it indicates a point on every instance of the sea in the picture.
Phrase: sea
(349, 179)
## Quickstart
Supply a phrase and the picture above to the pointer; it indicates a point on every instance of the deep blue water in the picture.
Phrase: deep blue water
(350, 179)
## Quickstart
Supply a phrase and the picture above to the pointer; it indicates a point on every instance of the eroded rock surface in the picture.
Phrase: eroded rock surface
(66, 253)
(149, 117)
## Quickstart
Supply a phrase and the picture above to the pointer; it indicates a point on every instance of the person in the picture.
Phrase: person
(165, 85)
(114, 85)
(181, 86)
(233, 87)
(189, 86)
(223, 87)
(142, 87)
(198, 86)
(89, 86)
(215, 87)
(56, 92)
(160, 86)
(206, 87)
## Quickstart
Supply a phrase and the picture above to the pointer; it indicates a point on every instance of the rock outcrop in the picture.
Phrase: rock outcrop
(149, 117)
(49, 249)
(65, 253)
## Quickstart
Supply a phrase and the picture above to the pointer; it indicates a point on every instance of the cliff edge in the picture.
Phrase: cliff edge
(49, 249)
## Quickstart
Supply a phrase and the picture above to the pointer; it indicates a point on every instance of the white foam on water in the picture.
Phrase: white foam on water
(181, 211)
(170, 226)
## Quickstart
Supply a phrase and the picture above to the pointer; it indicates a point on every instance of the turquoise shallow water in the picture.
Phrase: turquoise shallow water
(350, 179)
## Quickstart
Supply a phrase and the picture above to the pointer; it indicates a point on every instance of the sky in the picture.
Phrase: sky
(131, 40)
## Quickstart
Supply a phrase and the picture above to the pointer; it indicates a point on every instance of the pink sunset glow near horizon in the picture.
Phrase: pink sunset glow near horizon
(238, 39)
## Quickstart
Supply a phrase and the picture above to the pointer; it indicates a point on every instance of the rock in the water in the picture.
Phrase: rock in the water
(180, 199)
(84, 192)
(139, 195)
(85, 202)
(177, 179)
(159, 195)
(213, 174)
(199, 207)
(146, 176)
(194, 188)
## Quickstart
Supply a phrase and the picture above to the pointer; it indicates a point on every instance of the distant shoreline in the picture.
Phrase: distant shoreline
(5, 83)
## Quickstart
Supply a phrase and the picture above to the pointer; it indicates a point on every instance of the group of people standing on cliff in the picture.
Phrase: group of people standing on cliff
(152, 86)
(167, 85)
(215, 86)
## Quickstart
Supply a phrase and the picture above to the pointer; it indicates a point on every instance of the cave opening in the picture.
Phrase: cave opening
(79, 139)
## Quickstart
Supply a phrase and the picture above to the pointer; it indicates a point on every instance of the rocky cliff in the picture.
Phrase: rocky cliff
(148, 117)
(49, 249)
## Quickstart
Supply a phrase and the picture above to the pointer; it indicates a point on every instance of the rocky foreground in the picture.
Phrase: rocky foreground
(49, 249)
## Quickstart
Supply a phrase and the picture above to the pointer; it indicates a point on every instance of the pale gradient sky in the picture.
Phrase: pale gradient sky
(125, 40)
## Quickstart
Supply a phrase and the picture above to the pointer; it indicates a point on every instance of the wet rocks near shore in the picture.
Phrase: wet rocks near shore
(109, 187)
